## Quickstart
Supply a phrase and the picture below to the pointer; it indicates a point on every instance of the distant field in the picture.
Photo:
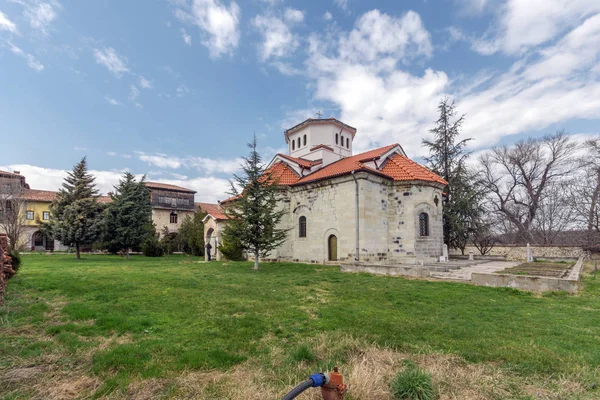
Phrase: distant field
(147, 328)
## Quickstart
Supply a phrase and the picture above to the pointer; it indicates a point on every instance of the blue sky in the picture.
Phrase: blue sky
(175, 88)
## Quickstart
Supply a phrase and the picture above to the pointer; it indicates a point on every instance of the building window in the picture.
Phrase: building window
(298, 142)
(46, 216)
(293, 145)
(173, 218)
(304, 140)
(348, 142)
(302, 227)
(29, 215)
(423, 224)
(337, 138)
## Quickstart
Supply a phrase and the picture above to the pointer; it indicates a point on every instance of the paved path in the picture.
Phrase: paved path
(464, 273)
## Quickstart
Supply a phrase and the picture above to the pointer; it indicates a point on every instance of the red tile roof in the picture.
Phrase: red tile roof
(282, 174)
(45, 196)
(104, 199)
(300, 161)
(347, 165)
(166, 186)
(401, 168)
(213, 210)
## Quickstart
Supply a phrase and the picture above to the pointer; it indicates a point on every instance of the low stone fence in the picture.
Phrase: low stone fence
(532, 283)
(519, 253)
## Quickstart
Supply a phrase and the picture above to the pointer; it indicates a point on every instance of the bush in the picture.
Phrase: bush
(413, 384)
(152, 247)
(16, 260)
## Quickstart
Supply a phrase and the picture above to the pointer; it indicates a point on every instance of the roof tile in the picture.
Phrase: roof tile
(166, 186)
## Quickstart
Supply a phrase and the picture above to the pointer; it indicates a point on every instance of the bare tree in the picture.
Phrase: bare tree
(12, 211)
(518, 177)
(555, 214)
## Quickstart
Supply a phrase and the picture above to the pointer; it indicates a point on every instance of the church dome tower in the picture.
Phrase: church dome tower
(328, 140)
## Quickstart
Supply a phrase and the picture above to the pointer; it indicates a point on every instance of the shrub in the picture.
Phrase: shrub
(152, 247)
(16, 260)
(413, 384)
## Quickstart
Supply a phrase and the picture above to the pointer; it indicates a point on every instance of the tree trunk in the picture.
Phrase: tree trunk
(593, 204)
(256, 260)
(77, 251)
(127, 253)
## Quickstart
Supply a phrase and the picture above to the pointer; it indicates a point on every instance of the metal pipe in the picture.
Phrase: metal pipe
(357, 256)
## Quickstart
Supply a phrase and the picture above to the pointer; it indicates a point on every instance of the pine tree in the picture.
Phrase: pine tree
(254, 216)
(76, 214)
(447, 157)
(128, 219)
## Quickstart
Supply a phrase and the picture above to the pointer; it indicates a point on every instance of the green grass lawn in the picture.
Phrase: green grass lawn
(122, 323)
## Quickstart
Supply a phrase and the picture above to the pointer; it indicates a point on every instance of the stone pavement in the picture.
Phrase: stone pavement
(464, 273)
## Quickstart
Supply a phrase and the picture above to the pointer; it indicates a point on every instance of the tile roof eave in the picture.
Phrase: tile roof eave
(361, 169)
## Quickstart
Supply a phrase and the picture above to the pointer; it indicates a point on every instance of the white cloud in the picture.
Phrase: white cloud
(182, 90)
(40, 14)
(145, 83)
(111, 60)
(160, 160)
(209, 189)
(522, 25)
(206, 166)
(364, 75)
(112, 101)
(218, 22)
(134, 94)
(294, 16)
(277, 38)
(111, 153)
(6, 24)
(32, 62)
(186, 38)
(343, 4)
(327, 16)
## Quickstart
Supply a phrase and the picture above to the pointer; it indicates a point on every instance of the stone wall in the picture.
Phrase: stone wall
(388, 220)
(6, 270)
(519, 253)
(532, 283)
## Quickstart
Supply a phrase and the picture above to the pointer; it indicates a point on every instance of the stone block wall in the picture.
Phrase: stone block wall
(519, 253)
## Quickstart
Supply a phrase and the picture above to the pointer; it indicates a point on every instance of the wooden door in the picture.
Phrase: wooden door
(332, 248)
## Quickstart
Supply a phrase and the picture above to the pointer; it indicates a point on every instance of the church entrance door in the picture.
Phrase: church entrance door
(332, 248)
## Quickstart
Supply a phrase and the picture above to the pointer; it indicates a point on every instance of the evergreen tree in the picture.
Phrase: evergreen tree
(255, 215)
(447, 156)
(76, 214)
(191, 233)
(128, 219)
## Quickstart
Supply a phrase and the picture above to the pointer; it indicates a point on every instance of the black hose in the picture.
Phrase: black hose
(299, 389)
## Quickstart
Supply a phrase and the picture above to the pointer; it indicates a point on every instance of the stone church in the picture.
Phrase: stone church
(377, 206)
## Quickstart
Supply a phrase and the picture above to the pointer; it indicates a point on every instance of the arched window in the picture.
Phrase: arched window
(423, 224)
(304, 140)
(293, 145)
(302, 226)
(298, 142)
(173, 218)
(348, 142)
(342, 144)
(337, 138)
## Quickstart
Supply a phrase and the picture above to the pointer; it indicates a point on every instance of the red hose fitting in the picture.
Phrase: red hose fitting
(335, 389)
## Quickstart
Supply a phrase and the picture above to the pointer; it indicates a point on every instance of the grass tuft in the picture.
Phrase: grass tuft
(413, 384)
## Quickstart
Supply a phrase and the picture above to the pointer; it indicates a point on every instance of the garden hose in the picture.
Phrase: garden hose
(315, 380)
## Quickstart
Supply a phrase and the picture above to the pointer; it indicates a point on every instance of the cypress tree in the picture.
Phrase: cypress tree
(76, 214)
(129, 216)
